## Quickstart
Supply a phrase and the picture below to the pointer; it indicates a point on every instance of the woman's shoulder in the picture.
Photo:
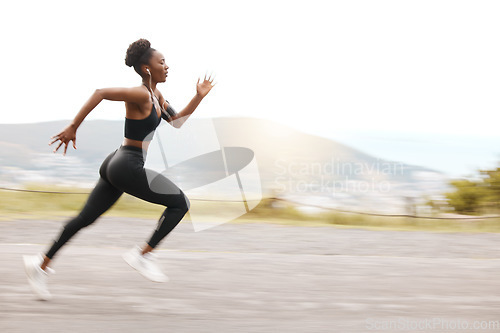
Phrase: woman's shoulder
(140, 93)
(129, 94)
(142, 89)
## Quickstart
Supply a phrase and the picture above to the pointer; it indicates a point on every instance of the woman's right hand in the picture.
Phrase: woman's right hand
(67, 135)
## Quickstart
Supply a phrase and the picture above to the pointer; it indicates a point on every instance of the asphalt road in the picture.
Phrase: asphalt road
(254, 278)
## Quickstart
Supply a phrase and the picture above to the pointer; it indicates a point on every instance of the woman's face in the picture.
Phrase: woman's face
(158, 67)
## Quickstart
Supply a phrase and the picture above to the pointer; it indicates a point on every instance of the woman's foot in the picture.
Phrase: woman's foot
(145, 264)
(37, 277)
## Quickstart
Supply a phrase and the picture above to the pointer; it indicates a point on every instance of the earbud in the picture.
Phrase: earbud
(147, 69)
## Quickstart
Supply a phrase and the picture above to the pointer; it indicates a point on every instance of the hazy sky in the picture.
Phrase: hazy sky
(319, 66)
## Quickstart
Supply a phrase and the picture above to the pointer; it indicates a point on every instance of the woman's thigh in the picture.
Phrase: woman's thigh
(153, 187)
(126, 171)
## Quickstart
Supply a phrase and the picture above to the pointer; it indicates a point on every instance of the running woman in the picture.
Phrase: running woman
(123, 170)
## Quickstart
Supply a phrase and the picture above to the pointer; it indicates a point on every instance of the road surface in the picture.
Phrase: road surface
(254, 278)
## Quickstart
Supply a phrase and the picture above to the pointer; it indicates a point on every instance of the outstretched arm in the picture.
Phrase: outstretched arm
(136, 95)
(202, 89)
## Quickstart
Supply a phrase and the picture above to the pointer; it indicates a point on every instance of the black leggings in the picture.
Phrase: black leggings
(123, 171)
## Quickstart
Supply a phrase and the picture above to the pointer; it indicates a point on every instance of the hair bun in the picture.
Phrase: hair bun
(136, 50)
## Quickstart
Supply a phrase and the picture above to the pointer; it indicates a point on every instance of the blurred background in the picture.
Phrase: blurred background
(383, 107)
(360, 120)
(367, 106)
(380, 107)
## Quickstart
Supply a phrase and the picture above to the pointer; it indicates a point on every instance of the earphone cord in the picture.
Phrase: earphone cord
(162, 109)
(150, 92)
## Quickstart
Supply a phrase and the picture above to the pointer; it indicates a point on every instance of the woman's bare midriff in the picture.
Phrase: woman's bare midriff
(140, 144)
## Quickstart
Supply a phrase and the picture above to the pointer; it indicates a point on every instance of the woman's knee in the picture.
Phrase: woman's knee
(182, 204)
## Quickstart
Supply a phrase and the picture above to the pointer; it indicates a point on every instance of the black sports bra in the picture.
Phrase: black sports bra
(143, 129)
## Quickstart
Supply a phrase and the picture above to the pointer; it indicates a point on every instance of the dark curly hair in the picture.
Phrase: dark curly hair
(139, 53)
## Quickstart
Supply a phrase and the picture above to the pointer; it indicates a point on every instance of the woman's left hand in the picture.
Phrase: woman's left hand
(204, 87)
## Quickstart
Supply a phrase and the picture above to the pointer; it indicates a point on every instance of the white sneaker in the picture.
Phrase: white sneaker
(37, 277)
(145, 264)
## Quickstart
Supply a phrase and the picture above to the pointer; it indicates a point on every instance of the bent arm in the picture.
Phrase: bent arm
(89, 105)
(202, 89)
(69, 133)
(180, 118)
(134, 95)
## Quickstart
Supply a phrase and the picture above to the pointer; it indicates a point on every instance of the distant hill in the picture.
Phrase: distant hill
(291, 163)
